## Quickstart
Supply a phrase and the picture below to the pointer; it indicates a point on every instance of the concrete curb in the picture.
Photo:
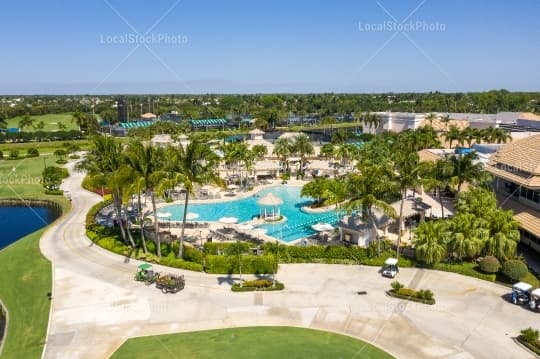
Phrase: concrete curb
(6, 312)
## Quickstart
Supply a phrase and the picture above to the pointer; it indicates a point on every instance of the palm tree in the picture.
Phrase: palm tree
(365, 192)
(446, 120)
(345, 153)
(372, 120)
(26, 121)
(503, 235)
(194, 164)
(498, 135)
(104, 160)
(138, 187)
(469, 134)
(315, 189)
(454, 134)
(302, 146)
(430, 241)
(409, 174)
(466, 236)
(465, 170)
(283, 149)
(439, 178)
(146, 161)
(430, 117)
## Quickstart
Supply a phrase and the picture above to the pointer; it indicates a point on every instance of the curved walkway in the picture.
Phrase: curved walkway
(97, 305)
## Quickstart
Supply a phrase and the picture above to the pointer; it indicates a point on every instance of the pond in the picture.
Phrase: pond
(18, 221)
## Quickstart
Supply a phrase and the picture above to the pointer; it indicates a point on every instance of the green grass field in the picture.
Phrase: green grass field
(51, 122)
(252, 342)
(25, 280)
(21, 178)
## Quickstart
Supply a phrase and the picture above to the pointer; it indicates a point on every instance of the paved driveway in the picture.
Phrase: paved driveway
(97, 305)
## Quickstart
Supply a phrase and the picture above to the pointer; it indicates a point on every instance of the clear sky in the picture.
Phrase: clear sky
(240, 46)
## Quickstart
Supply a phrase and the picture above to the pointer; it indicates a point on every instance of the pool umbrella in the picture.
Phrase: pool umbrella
(191, 216)
(245, 227)
(228, 220)
(322, 227)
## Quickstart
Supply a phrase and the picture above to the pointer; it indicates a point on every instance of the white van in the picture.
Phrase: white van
(390, 268)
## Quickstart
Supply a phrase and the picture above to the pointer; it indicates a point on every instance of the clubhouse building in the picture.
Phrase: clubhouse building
(516, 168)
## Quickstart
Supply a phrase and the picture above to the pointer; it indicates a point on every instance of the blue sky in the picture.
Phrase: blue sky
(240, 46)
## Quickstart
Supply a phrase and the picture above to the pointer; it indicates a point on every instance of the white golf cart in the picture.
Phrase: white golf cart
(390, 268)
(534, 302)
(521, 293)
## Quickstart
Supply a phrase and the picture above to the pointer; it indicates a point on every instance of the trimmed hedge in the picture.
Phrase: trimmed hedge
(410, 298)
(489, 264)
(219, 264)
(514, 269)
(466, 268)
(424, 296)
(257, 285)
(529, 338)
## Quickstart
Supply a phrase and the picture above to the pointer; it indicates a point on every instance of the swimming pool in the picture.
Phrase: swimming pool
(297, 225)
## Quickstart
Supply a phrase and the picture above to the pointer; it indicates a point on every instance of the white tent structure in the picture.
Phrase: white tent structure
(270, 207)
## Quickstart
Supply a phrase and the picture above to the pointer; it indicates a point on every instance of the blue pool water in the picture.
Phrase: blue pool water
(297, 225)
(18, 221)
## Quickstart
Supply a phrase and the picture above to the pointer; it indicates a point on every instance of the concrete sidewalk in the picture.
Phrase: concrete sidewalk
(97, 305)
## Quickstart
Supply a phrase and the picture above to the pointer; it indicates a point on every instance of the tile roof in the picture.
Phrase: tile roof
(518, 161)
(528, 219)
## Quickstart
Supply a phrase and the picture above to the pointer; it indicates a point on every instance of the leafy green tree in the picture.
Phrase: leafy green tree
(439, 178)
(259, 151)
(467, 234)
(430, 241)
(283, 149)
(316, 189)
(466, 170)
(51, 177)
(327, 150)
(454, 134)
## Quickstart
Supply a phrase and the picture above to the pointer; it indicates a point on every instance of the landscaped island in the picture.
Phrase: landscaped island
(251, 342)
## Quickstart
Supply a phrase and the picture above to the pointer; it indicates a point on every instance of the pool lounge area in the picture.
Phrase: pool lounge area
(296, 224)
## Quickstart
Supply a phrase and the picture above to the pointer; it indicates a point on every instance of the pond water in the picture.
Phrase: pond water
(19, 221)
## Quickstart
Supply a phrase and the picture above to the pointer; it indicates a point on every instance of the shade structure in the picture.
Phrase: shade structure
(232, 186)
(270, 200)
(322, 227)
(191, 216)
(164, 214)
(228, 220)
(270, 207)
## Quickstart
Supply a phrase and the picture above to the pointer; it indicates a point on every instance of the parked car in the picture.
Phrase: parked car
(534, 302)
(521, 293)
(390, 268)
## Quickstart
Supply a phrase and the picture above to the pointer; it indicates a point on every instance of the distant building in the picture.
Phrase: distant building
(516, 168)
(122, 109)
(394, 122)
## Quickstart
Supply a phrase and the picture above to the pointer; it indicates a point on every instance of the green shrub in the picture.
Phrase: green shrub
(425, 294)
(220, 264)
(172, 261)
(490, 264)
(13, 154)
(514, 269)
(74, 157)
(258, 283)
(54, 192)
(61, 162)
(407, 292)
(32, 152)
(465, 268)
(396, 286)
(529, 335)
(192, 255)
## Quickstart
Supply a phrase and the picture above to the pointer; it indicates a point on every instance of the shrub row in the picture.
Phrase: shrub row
(257, 285)
(218, 264)
(529, 338)
(465, 269)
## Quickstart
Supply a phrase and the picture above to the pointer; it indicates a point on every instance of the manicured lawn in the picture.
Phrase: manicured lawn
(46, 147)
(25, 280)
(253, 342)
(51, 122)
(21, 178)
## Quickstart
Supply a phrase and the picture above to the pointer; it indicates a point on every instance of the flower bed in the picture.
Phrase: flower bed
(424, 296)
(257, 285)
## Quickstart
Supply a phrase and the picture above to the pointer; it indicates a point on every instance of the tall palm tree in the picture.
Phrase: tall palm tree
(469, 134)
(430, 117)
(345, 153)
(430, 241)
(283, 149)
(465, 170)
(365, 192)
(193, 164)
(453, 134)
(147, 161)
(410, 174)
(439, 178)
(104, 159)
(503, 235)
(498, 135)
(26, 121)
(303, 147)
(137, 187)
(446, 120)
